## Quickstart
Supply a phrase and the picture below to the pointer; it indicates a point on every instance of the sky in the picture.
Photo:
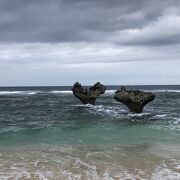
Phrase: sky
(116, 42)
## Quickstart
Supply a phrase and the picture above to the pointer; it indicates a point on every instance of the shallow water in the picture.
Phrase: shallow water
(47, 133)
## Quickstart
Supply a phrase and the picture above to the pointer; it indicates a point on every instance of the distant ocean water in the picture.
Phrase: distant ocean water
(46, 133)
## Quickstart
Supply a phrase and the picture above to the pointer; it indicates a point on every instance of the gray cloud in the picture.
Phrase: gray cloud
(51, 42)
(64, 63)
(79, 20)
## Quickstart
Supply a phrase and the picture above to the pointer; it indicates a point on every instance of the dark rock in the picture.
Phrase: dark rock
(135, 100)
(88, 96)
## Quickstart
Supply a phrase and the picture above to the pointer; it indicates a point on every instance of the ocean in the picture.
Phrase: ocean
(47, 133)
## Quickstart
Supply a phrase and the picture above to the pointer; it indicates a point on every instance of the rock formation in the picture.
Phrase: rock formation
(135, 100)
(88, 96)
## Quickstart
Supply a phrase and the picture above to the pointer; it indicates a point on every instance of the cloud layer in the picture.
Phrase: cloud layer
(52, 42)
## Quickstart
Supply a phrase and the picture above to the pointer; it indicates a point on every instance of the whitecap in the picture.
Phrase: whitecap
(153, 90)
(61, 92)
(18, 92)
(69, 91)
(161, 115)
(166, 90)
(138, 114)
(110, 91)
(84, 105)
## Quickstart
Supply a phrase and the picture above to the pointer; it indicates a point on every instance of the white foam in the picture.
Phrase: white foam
(44, 175)
(153, 90)
(161, 115)
(68, 91)
(84, 105)
(60, 162)
(166, 90)
(110, 91)
(18, 92)
(110, 111)
(175, 124)
(9, 129)
(138, 114)
(177, 167)
(165, 173)
(177, 121)
(97, 155)
(16, 175)
(59, 92)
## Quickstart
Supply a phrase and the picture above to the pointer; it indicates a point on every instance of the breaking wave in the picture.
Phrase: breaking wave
(63, 92)
(108, 92)
(87, 162)
(18, 92)
(166, 91)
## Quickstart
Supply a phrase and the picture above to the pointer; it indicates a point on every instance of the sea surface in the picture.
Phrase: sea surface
(46, 133)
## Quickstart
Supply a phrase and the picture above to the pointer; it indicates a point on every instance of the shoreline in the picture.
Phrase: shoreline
(92, 162)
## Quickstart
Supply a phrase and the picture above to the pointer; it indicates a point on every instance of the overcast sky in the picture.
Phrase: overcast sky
(58, 42)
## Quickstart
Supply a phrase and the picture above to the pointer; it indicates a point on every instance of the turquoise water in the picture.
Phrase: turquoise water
(35, 122)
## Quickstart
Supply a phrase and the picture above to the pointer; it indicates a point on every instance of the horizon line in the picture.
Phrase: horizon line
(90, 85)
